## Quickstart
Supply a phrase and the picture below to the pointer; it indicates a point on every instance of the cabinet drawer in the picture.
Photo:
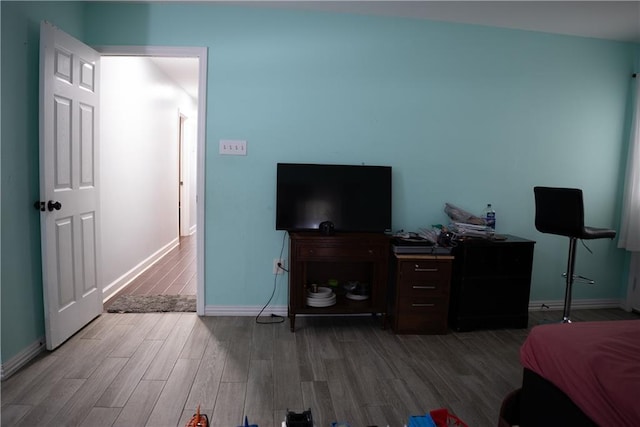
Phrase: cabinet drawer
(424, 278)
(421, 324)
(424, 269)
(311, 251)
(437, 306)
(428, 287)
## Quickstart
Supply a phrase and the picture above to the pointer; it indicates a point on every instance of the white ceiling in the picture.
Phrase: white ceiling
(183, 71)
(612, 20)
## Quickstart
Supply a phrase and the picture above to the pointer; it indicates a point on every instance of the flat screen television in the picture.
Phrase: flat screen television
(353, 198)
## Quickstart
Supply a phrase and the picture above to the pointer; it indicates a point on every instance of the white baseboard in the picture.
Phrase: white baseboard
(576, 304)
(243, 310)
(193, 230)
(249, 310)
(114, 287)
(19, 360)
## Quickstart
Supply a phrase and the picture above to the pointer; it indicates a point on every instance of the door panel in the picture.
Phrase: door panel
(89, 272)
(62, 143)
(87, 152)
(64, 261)
(69, 77)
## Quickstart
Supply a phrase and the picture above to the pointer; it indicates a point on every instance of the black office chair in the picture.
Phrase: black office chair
(561, 211)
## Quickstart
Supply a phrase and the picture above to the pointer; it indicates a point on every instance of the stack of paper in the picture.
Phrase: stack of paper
(471, 230)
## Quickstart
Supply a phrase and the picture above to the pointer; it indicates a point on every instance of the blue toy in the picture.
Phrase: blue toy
(246, 423)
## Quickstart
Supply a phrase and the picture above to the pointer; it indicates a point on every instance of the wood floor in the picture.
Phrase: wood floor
(154, 369)
(174, 274)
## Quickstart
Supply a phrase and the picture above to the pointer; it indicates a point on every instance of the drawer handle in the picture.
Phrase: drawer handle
(430, 270)
(423, 287)
(422, 305)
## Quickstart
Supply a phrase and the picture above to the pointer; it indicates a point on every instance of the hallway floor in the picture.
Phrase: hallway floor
(174, 274)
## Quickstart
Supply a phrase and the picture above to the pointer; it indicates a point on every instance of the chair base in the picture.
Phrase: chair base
(571, 263)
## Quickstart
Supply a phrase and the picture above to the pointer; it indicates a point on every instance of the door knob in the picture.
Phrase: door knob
(53, 205)
(38, 205)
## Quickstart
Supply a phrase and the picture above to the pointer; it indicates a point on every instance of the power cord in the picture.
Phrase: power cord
(281, 267)
(279, 318)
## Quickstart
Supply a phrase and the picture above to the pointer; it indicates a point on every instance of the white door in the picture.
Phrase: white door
(69, 76)
(184, 168)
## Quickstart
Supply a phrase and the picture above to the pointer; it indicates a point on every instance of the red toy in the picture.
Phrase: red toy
(443, 418)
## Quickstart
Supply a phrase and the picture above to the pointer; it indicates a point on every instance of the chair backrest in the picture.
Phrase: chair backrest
(559, 211)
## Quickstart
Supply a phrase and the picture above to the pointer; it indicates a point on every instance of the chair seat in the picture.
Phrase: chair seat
(597, 233)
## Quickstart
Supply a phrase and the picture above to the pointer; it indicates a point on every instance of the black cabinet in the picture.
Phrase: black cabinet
(490, 283)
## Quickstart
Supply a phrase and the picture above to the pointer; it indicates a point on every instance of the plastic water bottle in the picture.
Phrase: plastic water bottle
(489, 216)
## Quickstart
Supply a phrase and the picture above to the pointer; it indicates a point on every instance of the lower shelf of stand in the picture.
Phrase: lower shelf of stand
(344, 307)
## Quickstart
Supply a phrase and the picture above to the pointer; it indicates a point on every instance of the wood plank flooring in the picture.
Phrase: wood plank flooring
(154, 369)
(174, 274)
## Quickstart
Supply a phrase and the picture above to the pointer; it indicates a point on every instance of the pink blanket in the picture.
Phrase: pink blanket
(596, 364)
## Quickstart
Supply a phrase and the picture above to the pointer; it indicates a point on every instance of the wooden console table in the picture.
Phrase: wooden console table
(345, 257)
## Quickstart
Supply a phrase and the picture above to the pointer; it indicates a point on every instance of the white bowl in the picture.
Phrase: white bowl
(356, 297)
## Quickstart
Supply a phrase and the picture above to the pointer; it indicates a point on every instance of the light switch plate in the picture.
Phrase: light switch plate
(233, 147)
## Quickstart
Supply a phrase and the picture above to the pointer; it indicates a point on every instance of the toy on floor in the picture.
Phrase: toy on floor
(436, 418)
(198, 419)
(246, 423)
(303, 419)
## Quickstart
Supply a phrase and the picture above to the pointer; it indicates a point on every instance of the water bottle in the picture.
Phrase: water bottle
(489, 216)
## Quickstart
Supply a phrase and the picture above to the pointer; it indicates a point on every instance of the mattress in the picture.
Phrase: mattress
(596, 364)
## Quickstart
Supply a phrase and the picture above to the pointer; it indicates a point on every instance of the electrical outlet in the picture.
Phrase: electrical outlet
(276, 268)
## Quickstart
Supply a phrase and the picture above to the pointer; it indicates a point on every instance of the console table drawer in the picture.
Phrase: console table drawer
(311, 251)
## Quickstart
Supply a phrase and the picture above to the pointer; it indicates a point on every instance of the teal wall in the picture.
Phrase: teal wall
(21, 272)
(464, 114)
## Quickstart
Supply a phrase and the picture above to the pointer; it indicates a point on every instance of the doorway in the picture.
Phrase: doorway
(151, 213)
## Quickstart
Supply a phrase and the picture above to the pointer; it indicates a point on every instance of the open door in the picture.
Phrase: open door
(69, 222)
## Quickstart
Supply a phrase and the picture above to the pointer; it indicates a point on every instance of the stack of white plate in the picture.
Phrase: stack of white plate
(322, 297)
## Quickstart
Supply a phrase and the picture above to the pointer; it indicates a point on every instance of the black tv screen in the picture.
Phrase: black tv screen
(354, 198)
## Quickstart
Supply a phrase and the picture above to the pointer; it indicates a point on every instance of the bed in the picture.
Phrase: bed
(578, 374)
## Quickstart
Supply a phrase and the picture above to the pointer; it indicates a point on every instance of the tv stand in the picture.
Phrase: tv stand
(345, 257)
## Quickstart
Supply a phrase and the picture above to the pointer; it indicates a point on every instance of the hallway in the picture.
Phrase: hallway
(174, 274)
